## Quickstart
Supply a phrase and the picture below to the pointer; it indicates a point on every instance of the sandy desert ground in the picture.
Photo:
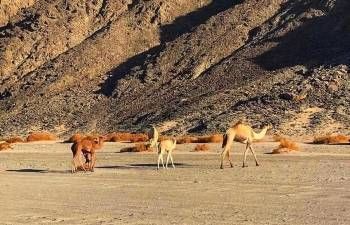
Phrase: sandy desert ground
(310, 187)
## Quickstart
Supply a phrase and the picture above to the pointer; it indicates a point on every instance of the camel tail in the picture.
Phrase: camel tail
(224, 141)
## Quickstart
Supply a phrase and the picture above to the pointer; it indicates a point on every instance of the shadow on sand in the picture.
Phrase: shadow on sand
(39, 171)
(144, 166)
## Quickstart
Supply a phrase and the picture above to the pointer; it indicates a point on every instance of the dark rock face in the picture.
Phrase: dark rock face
(190, 66)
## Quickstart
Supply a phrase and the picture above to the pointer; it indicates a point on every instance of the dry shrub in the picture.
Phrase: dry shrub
(139, 147)
(74, 138)
(41, 136)
(14, 140)
(186, 140)
(162, 138)
(110, 137)
(5, 146)
(138, 138)
(286, 146)
(332, 139)
(128, 137)
(201, 148)
(278, 138)
(215, 138)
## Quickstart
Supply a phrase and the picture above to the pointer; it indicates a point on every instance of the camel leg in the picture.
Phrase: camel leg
(226, 150)
(172, 162)
(245, 155)
(90, 158)
(159, 156)
(87, 160)
(256, 160)
(75, 163)
(229, 159)
(81, 163)
(162, 160)
(93, 161)
(167, 160)
(223, 154)
(73, 166)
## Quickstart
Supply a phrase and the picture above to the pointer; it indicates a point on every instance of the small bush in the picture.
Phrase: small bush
(41, 136)
(162, 138)
(139, 147)
(201, 148)
(215, 138)
(14, 140)
(127, 137)
(332, 139)
(186, 140)
(286, 146)
(278, 138)
(5, 146)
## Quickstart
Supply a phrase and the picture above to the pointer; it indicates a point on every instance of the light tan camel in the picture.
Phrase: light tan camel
(243, 134)
(163, 147)
(153, 137)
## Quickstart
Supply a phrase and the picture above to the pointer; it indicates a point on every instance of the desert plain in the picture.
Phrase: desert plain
(311, 186)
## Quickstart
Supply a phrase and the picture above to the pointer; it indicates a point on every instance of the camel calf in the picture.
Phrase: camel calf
(86, 146)
(163, 147)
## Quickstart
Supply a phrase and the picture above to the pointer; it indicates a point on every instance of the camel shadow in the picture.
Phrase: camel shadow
(39, 171)
(28, 171)
(140, 165)
(311, 143)
(143, 166)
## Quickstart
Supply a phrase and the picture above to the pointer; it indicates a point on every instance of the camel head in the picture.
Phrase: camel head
(268, 126)
(102, 139)
(98, 141)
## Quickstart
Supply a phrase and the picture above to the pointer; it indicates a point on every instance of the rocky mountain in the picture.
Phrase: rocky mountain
(188, 66)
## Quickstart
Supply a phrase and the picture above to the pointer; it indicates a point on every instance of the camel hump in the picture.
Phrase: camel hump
(239, 122)
(224, 141)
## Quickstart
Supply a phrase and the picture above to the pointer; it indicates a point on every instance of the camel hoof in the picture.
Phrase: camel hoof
(257, 164)
(244, 166)
(231, 166)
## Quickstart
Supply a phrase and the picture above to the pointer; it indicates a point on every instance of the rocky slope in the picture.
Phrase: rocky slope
(187, 66)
